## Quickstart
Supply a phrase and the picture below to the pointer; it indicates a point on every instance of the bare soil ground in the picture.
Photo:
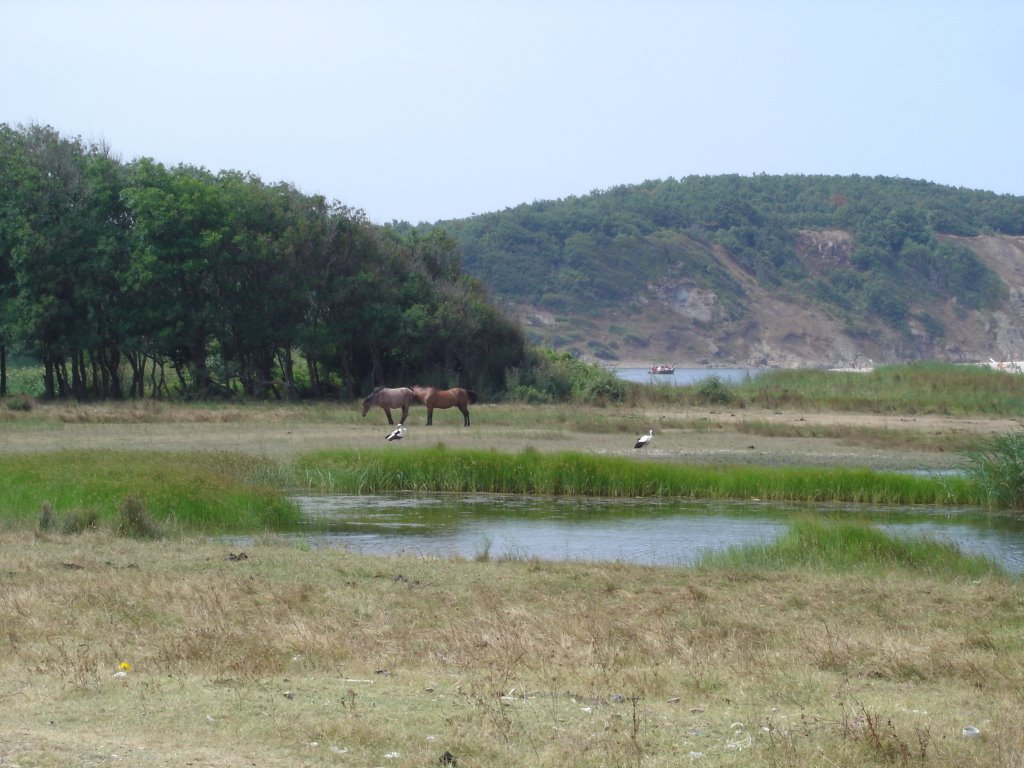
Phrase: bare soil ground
(697, 435)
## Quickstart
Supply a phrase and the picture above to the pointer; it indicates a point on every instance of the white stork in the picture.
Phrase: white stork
(398, 434)
(643, 440)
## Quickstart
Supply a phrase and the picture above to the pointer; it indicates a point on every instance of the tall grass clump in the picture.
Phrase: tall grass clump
(997, 469)
(134, 521)
(47, 520)
(574, 474)
(850, 545)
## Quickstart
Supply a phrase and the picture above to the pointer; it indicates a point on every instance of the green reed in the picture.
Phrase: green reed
(851, 545)
(997, 469)
(186, 492)
(573, 474)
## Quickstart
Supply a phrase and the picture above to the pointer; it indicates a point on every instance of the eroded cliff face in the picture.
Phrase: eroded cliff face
(679, 322)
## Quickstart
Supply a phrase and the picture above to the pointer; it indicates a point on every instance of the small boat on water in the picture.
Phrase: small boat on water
(663, 369)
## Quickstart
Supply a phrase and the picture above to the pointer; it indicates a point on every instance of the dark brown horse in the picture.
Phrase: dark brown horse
(400, 397)
(432, 397)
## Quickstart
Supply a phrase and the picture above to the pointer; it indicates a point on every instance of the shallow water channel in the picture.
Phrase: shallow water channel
(645, 531)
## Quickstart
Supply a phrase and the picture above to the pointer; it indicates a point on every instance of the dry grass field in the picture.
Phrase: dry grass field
(184, 651)
(117, 652)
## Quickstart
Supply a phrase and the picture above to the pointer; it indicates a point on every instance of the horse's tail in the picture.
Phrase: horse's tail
(472, 395)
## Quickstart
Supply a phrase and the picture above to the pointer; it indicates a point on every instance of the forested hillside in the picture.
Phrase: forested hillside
(134, 279)
(760, 270)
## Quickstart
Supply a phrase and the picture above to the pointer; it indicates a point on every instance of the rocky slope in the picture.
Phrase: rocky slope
(675, 321)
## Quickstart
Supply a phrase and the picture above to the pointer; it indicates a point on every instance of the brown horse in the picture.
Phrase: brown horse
(432, 397)
(400, 397)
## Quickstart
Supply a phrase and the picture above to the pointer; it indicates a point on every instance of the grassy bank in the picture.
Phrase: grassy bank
(908, 389)
(465, 471)
(182, 492)
(122, 652)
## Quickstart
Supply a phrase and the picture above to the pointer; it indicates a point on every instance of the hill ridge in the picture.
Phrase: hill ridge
(765, 270)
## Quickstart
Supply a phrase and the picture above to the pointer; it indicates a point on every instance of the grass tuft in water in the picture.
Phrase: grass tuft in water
(997, 469)
(845, 545)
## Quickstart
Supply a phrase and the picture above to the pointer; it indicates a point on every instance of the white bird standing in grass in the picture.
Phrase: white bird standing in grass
(643, 440)
(398, 434)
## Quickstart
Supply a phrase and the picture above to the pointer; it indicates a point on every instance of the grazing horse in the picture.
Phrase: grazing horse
(432, 397)
(401, 397)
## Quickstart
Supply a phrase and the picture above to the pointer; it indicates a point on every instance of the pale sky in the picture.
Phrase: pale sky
(435, 109)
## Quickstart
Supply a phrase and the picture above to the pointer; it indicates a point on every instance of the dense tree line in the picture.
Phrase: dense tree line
(135, 279)
(581, 253)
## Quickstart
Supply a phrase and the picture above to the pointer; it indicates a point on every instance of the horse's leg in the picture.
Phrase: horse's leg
(405, 413)
(465, 415)
(430, 415)
(388, 412)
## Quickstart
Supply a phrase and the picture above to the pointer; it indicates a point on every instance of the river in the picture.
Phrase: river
(650, 532)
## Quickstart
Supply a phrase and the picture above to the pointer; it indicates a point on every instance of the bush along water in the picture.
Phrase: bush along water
(550, 377)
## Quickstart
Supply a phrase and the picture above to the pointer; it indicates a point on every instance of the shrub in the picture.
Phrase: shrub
(528, 395)
(561, 377)
(601, 390)
(713, 391)
(18, 403)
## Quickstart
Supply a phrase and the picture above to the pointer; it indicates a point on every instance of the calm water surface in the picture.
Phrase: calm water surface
(652, 532)
(685, 376)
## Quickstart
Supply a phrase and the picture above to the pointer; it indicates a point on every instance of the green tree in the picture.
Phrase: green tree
(52, 254)
(178, 242)
(11, 180)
